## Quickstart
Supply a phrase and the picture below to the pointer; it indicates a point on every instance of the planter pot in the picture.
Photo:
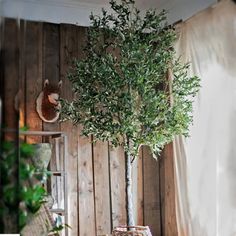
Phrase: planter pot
(39, 223)
(42, 156)
(131, 231)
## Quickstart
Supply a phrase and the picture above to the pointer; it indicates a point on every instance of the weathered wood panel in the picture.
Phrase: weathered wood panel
(22, 82)
(1, 63)
(11, 75)
(167, 192)
(87, 219)
(95, 176)
(10, 82)
(68, 51)
(33, 76)
(102, 188)
(51, 61)
(117, 178)
(152, 205)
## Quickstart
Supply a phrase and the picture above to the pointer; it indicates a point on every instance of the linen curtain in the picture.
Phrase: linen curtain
(205, 163)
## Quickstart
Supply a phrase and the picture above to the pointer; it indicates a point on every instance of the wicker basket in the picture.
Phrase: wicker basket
(131, 231)
(40, 223)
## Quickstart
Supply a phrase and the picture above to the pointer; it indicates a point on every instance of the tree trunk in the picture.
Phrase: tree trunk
(128, 189)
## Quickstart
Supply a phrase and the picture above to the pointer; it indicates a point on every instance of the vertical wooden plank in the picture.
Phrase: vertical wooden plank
(102, 190)
(51, 51)
(87, 224)
(2, 22)
(137, 178)
(51, 61)
(169, 225)
(69, 50)
(22, 85)
(33, 76)
(87, 219)
(117, 179)
(11, 75)
(152, 211)
(9, 89)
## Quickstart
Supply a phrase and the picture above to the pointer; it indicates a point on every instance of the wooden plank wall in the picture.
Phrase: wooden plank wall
(36, 51)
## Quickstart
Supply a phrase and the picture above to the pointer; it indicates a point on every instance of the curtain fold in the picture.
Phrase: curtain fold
(205, 163)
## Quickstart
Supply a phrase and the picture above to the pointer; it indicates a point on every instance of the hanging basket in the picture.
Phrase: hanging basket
(131, 231)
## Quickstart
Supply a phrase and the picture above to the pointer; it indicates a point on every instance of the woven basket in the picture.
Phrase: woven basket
(131, 231)
(40, 223)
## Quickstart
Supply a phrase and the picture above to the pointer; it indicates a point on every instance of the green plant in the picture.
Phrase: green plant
(28, 196)
(59, 226)
(123, 90)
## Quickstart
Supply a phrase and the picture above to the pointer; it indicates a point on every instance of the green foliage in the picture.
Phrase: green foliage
(122, 91)
(59, 226)
(29, 195)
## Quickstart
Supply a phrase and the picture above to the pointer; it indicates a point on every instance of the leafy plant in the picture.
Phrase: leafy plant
(28, 197)
(59, 226)
(130, 89)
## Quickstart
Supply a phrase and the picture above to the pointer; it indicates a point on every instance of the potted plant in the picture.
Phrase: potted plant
(25, 199)
(130, 90)
(27, 203)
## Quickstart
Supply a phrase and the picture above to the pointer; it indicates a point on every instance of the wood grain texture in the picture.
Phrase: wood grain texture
(51, 61)
(9, 87)
(102, 190)
(117, 178)
(22, 82)
(11, 75)
(2, 25)
(96, 179)
(167, 192)
(33, 76)
(69, 50)
(152, 214)
(87, 220)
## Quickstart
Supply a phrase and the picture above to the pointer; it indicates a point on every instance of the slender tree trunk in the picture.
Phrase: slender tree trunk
(128, 188)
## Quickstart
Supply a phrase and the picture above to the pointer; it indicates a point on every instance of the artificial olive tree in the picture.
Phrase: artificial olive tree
(130, 90)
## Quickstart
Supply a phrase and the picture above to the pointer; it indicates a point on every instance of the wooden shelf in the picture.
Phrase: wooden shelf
(58, 211)
(60, 139)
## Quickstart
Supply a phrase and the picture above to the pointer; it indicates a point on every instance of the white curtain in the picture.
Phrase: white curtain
(205, 163)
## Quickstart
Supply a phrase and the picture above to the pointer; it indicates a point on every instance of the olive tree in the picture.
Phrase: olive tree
(130, 89)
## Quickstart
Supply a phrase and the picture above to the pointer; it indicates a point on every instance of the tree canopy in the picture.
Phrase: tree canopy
(130, 89)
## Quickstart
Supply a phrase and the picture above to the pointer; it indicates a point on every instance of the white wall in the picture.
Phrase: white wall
(78, 11)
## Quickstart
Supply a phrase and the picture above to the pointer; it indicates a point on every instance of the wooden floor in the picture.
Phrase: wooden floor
(34, 51)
